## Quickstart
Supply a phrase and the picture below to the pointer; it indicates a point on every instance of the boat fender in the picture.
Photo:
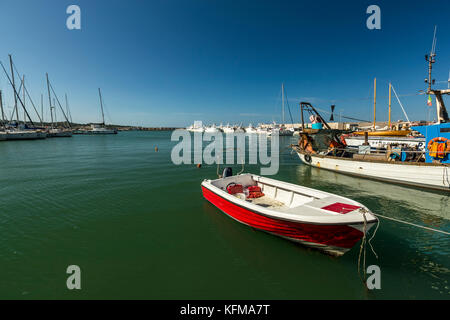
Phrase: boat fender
(227, 172)
(308, 158)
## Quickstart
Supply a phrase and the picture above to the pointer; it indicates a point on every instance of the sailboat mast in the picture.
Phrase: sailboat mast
(282, 101)
(374, 102)
(24, 112)
(101, 105)
(389, 123)
(69, 116)
(1, 107)
(42, 109)
(14, 89)
(49, 100)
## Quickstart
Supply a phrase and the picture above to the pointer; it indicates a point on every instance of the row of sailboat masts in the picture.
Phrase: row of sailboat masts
(16, 94)
(18, 99)
(53, 107)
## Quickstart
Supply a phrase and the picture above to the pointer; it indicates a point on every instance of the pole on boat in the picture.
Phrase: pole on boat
(374, 101)
(42, 110)
(101, 105)
(282, 102)
(49, 100)
(59, 104)
(24, 114)
(1, 107)
(303, 121)
(14, 89)
(69, 115)
(54, 108)
(389, 123)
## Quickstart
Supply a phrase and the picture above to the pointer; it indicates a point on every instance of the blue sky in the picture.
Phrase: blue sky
(168, 63)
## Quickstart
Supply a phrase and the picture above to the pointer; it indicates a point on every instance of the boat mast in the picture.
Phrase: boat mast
(374, 101)
(389, 123)
(49, 100)
(101, 106)
(24, 112)
(42, 109)
(54, 108)
(282, 102)
(442, 114)
(69, 115)
(1, 107)
(14, 89)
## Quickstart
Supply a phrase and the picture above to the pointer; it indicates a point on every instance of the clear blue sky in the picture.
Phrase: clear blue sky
(168, 63)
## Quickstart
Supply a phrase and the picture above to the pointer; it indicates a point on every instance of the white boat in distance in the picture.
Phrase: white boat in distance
(212, 129)
(100, 128)
(264, 130)
(59, 133)
(313, 218)
(250, 129)
(228, 129)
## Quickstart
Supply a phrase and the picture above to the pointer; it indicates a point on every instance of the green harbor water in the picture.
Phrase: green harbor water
(139, 228)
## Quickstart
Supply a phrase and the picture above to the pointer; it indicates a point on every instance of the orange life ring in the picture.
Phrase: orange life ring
(437, 139)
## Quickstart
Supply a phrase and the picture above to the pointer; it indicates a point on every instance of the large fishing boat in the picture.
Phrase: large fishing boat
(429, 168)
(313, 218)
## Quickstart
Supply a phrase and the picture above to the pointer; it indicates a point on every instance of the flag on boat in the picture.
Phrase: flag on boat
(430, 103)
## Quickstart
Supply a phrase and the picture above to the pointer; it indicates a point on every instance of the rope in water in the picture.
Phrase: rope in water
(412, 224)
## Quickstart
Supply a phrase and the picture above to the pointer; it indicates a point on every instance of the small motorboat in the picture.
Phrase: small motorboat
(313, 218)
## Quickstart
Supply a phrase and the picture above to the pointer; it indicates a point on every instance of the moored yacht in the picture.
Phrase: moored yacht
(250, 129)
(100, 128)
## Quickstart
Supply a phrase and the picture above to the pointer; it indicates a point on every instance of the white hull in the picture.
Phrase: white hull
(212, 130)
(59, 134)
(383, 142)
(106, 131)
(419, 175)
(228, 130)
(25, 135)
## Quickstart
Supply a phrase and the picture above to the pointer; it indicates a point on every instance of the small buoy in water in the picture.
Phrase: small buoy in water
(156, 149)
(199, 165)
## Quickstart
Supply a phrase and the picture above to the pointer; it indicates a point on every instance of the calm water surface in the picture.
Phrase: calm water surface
(139, 228)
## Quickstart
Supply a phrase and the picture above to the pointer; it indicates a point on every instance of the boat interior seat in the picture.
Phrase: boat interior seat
(246, 180)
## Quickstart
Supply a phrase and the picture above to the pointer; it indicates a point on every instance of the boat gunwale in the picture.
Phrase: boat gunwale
(323, 156)
(245, 205)
(422, 187)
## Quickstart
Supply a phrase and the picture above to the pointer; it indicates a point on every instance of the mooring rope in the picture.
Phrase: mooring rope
(363, 246)
(412, 224)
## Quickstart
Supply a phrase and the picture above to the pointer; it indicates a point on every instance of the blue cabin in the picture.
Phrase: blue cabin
(435, 132)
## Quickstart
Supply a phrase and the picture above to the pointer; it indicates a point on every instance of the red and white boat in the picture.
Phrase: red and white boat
(311, 217)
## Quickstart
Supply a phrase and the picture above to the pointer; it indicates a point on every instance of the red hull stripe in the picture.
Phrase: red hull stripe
(333, 235)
